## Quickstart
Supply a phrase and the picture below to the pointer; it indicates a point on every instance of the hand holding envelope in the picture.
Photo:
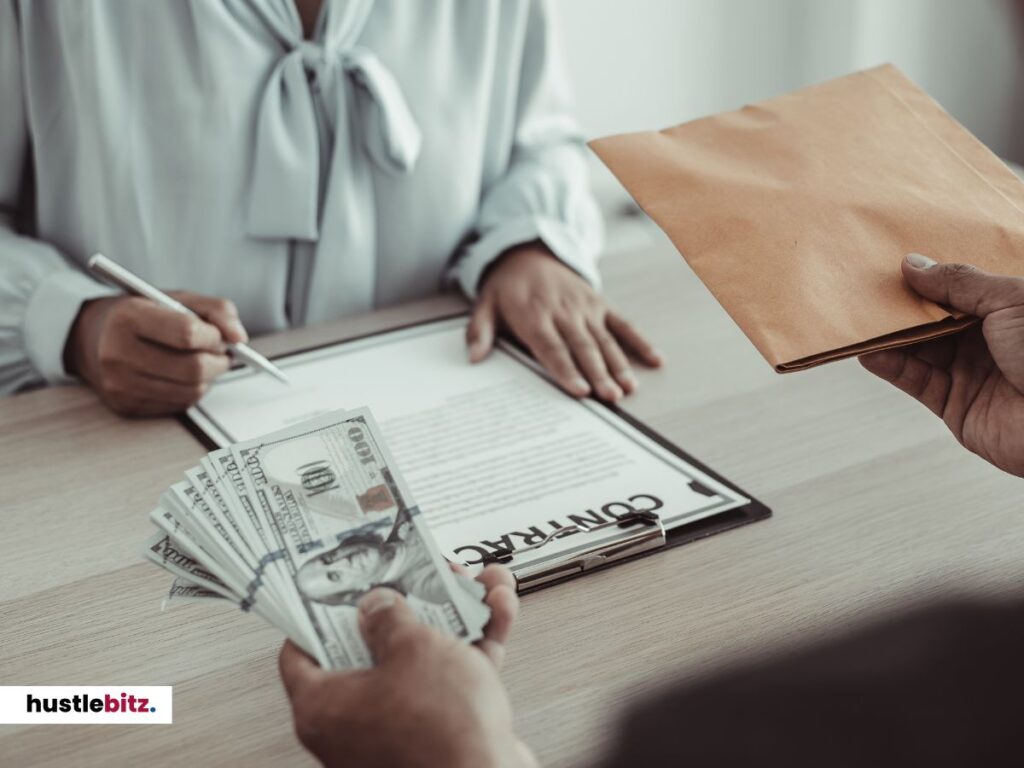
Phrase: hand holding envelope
(973, 381)
(796, 212)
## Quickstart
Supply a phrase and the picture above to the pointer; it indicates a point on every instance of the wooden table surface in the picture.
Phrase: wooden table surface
(874, 502)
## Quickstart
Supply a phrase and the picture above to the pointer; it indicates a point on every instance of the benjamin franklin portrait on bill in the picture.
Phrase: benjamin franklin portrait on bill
(364, 560)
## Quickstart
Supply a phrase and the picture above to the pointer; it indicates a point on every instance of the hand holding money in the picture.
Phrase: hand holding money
(298, 526)
(429, 700)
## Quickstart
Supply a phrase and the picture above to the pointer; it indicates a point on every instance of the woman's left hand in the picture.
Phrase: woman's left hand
(564, 322)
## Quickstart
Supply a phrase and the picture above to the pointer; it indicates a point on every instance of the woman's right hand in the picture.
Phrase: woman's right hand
(145, 360)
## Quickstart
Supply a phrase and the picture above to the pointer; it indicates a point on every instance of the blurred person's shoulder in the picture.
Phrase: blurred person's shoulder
(935, 686)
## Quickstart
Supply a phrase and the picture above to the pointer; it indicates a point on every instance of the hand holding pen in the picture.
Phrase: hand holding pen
(148, 356)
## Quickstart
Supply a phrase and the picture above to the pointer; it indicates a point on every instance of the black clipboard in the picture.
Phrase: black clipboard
(642, 534)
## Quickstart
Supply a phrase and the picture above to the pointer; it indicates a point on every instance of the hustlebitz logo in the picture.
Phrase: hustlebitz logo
(86, 704)
(125, 703)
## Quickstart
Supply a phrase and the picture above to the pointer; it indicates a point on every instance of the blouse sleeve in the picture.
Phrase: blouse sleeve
(544, 193)
(40, 292)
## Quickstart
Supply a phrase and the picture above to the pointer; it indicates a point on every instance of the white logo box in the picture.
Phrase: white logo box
(86, 704)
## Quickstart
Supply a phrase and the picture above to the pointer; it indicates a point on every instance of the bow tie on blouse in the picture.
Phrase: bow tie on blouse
(285, 189)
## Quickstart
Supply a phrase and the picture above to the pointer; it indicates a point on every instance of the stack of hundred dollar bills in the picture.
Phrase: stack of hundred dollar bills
(298, 525)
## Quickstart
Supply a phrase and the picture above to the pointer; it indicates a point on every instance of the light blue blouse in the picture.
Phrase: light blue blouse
(205, 145)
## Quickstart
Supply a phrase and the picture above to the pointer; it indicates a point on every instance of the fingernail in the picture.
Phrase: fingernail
(917, 261)
(476, 349)
(376, 600)
(612, 392)
(581, 385)
(240, 331)
(628, 381)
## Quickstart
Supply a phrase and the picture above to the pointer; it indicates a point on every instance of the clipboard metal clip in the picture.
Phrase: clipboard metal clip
(645, 532)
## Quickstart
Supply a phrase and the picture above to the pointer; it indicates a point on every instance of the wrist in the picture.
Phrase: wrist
(82, 338)
(522, 252)
(489, 749)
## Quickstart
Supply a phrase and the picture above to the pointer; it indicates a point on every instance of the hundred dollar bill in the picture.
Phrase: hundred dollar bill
(344, 522)
(183, 592)
(217, 482)
(298, 526)
(236, 537)
(168, 554)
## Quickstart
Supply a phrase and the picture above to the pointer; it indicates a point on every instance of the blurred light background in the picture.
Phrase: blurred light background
(648, 64)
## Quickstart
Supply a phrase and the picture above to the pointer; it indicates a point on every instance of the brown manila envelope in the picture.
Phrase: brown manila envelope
(796, 212)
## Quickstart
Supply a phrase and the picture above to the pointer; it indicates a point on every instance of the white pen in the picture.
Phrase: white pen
(127, 281)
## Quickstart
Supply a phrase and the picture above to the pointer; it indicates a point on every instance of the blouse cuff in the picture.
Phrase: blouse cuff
(51, 310)
(563, 242)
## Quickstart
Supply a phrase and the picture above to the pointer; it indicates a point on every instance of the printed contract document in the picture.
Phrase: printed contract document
(496, 455)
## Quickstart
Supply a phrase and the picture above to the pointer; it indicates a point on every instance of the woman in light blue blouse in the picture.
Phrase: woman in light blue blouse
(292, 162)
